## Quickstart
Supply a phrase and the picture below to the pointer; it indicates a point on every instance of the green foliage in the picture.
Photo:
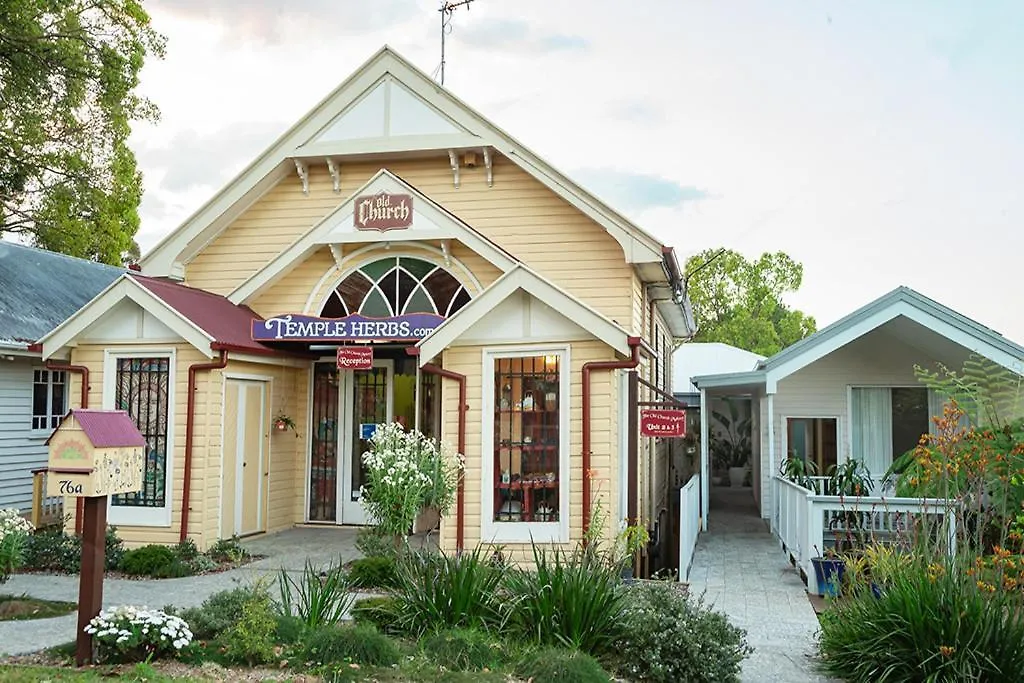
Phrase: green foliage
(988, 393)
(850, 478)
(555, 665)
(14, 532)
(669, 637)
(361, 644)
(733, 449)
(147, 560)
(739, 302)
(800, 471)
(289, 631)
(228, 550)
(405, 473)
(378, 611)
(372, 543)
(68, 77)
(219, 611)
(464, 649)
(930, 623)
(250, 640)
(372, 572)
(569, 599)
(51, 549)
(436, 591)
(317, 598)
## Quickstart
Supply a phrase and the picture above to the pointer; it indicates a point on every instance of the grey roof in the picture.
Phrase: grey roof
(40, 289)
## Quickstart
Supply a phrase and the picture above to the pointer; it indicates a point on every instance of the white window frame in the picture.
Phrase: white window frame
(44, 432)
(492, 531)
(122, 515)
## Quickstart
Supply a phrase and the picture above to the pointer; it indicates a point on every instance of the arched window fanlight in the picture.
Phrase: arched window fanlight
(396, 286)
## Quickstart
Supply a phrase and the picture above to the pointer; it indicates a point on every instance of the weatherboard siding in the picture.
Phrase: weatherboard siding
(468, 360)
(21, 449)
(518, 213)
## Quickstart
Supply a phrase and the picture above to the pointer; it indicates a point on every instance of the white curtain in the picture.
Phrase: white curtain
(871, 428)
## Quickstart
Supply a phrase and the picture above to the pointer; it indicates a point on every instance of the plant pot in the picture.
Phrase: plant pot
(828, 572)
(876, 590)
(716, 480)
(736, 476)
(281, 426)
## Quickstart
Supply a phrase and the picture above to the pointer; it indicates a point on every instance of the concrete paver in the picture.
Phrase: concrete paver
(743, 572)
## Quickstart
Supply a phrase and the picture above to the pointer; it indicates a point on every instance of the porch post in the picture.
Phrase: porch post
(705, 462)
(767, 496)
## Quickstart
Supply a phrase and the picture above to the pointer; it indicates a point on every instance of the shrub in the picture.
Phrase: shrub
(174, 570)
(379, 612)
(569, 599)
(936, 621)
(251, 640)
(146, 560)
(435, 591)
(289, 630)
(135, 634)
(669, 637)
(14, 533)
(113, 549)
(360, 644)
(371, 542)
(318, 598)
(228, 550)
(51, 549)
(555, 665)
(219, 611)
(372, 572)
(464, 649)
(188, 560)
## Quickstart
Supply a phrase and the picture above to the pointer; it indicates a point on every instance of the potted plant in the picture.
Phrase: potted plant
(828, 572)
(283, 423)
(800, 471)
(738, 467)
(630, 541)
(734, 443)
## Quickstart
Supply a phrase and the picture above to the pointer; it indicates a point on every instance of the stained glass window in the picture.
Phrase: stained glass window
(142, 389)
(396, 286)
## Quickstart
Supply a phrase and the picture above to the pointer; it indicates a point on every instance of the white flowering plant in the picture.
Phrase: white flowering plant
(405, 473)
(127, 633)
(14, 531)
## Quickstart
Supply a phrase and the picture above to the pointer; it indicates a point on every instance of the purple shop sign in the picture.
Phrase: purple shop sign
(308, 328)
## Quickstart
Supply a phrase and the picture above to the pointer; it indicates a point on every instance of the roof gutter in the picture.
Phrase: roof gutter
(190, 410)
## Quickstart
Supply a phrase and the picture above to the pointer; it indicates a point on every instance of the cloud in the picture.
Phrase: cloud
(638, 191)
(515, 35)
(194, 159)
(636, 111)
(279, 22)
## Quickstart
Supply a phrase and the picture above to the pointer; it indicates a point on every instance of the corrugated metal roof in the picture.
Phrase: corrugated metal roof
(40, 289)
(229, 324)
(107, 428)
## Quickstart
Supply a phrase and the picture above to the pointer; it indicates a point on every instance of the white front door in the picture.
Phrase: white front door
(366, 400)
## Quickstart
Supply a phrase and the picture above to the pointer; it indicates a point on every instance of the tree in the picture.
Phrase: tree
(739, 302)
(68, 74)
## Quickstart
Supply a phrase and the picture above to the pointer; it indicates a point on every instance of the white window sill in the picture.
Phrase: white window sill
(525, 532)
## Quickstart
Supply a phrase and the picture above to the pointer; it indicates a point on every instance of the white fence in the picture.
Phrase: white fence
(689, 524)
(806, 523)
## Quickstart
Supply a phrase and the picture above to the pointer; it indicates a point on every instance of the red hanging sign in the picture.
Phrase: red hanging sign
(355, 357)
(662, 422)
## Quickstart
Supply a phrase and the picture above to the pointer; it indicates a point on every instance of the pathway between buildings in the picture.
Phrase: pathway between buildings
(742, 570)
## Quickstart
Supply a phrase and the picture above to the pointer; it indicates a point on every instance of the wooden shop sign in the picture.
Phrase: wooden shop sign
(662, 422)
(355, 357)
(382, 211)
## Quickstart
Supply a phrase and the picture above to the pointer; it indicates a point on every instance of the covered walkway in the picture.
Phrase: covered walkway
(742, 570)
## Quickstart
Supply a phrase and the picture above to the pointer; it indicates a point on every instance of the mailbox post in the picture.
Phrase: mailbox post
(93, 454)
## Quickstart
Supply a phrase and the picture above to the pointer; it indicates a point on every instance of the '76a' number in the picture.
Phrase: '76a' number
(69, 489)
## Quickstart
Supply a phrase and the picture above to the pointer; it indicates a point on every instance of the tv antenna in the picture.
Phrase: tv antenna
(447, 10)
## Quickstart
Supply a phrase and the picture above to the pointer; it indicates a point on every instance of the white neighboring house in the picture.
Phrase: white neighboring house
(38, 291)
(850, 389)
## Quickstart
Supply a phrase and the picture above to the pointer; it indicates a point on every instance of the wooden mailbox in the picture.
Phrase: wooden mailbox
(95, 453)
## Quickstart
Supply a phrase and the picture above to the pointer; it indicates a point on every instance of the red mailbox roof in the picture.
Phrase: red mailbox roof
(107, 428)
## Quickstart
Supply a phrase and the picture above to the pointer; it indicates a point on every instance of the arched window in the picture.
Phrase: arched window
(396, 286)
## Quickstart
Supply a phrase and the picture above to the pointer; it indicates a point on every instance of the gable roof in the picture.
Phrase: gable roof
(435, 223)
(206, 320)
(708, 358)
(300, 141)
(521, 277)
(902, 301)
(106, 428)
(39, 289)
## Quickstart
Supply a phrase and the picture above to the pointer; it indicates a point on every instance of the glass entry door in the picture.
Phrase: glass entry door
(366, 401)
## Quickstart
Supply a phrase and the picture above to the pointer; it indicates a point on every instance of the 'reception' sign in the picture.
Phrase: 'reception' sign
(307, 328)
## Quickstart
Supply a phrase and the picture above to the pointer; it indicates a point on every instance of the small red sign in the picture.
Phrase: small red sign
(666, 423)
(355, 357)
(382, 212)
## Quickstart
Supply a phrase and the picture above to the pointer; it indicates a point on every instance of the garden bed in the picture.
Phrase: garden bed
(24, 607)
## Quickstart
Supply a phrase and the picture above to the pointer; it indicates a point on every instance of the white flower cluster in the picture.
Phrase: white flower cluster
(12, 522)
(126, 625)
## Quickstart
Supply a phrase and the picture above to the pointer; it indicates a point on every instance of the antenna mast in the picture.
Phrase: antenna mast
(447, 9)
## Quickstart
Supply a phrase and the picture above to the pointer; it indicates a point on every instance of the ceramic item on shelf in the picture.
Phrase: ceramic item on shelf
(511, 511)
(528, 401)
(506, 477)
(549, 400)
(527, 439)
(544, 513)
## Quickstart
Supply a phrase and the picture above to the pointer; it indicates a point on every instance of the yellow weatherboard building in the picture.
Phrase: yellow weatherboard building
(393, 256)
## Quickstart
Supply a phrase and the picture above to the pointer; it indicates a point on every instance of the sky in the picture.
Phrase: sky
(878, 142)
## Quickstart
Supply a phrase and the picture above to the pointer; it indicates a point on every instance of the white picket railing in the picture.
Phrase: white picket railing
(807, 523)
(689, 524)
(824, 485)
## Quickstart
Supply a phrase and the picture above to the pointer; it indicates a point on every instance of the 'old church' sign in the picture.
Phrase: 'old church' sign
(382, 211)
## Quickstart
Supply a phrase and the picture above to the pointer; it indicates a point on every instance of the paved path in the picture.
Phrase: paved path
(288, 549)
(743, 571)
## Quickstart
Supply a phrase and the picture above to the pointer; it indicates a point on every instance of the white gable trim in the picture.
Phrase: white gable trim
(522, 278)
(125, 287)
(167, 257)
(336, 228)
(952, 332)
